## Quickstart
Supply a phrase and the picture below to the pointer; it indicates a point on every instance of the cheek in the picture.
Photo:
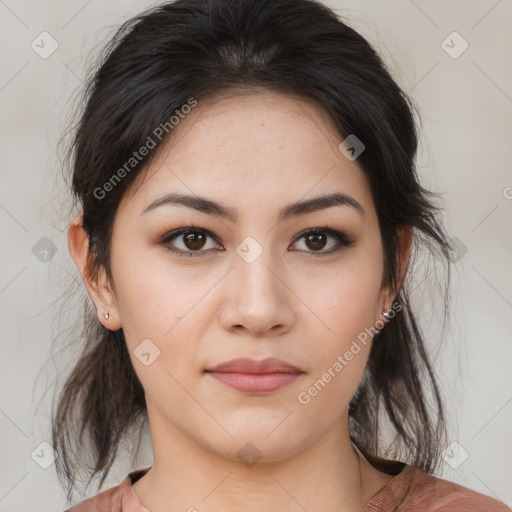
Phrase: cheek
(346, 307)
(337, 372)
(165, 364)
(153, 295)
(159, 309)
(348, 300)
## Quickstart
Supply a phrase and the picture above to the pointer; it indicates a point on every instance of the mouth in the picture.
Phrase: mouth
(255, 377)
(256, 383)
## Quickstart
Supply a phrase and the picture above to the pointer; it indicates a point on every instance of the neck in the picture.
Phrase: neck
(187, 476)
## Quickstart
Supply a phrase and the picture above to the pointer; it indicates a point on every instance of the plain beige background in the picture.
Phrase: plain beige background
(465, 101)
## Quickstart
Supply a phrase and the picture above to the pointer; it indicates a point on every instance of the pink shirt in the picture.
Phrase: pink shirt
(408, 491)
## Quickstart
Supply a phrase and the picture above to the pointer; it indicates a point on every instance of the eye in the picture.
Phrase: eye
(194, 240)
(316, 239)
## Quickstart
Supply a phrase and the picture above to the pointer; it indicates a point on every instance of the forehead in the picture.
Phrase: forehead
(256, 149)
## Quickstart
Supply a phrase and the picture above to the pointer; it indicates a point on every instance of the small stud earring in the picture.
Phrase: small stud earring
(106, 315)
(386, 315)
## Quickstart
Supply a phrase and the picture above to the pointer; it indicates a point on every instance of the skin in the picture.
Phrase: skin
(255, 153)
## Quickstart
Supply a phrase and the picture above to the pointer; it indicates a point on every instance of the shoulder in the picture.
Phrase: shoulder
(106, 501)
(413, 489)
(116, 499)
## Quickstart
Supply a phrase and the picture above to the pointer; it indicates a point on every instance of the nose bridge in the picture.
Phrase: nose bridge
(259, 299)
(256, 268)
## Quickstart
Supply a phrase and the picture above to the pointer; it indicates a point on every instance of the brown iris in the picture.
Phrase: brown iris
(316, 240)
(194, 241)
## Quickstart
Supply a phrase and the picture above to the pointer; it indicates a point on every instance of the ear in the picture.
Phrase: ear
(405, 240)
(98, 286)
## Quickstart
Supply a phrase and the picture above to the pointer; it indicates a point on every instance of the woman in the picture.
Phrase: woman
(249, 212)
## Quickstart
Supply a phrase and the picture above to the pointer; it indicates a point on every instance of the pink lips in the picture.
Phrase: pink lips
(252, 376)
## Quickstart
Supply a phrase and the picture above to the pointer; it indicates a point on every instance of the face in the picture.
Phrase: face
(244, 280)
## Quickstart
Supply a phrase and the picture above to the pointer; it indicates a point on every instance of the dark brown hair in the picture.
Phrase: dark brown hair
(202, 49)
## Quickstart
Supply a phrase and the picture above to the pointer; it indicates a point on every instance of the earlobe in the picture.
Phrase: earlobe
(97, 286)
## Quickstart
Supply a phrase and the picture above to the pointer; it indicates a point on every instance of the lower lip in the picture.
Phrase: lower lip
(256, 382)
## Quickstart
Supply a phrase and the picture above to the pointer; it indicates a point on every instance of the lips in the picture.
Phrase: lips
(247, 365)
(255, 377)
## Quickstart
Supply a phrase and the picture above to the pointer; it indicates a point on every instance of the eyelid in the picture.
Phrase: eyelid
(325, 229)
(343, 240)
(165, 240)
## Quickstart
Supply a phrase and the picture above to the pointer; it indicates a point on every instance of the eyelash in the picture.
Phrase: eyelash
(342, 239)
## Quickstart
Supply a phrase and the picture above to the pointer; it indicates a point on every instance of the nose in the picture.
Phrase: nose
(259, 301)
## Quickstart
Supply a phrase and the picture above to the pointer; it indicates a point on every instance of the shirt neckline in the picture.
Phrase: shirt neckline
(129, 498)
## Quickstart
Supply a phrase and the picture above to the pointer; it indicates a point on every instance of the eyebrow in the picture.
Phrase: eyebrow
(203, 204)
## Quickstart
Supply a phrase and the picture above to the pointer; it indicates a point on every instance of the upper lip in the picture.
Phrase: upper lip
(247, 365)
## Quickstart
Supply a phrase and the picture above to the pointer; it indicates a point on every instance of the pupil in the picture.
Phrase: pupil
(316, 238)
(192, 240)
